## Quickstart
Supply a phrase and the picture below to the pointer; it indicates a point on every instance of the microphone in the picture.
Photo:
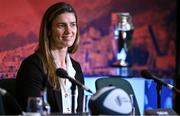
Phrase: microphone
(63, 74)
(3, 92)
(148, 75)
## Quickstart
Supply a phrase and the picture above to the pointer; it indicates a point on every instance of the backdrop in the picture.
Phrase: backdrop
(153, 43)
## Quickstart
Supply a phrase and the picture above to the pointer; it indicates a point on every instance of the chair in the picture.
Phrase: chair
(2, 112)
(118, 82)
(9, 85)
(8, 105)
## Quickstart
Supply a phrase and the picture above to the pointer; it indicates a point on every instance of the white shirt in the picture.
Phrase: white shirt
(66, 88)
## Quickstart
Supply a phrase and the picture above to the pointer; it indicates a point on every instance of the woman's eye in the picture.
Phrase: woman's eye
(61, 25)
(73, 24)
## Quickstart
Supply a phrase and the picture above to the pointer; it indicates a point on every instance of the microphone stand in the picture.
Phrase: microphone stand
(62, 73)
(158, 89)
(73, 88)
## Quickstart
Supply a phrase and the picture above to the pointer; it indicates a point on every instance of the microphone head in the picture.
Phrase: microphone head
(3, 91)
(146, 74)
(61, 73)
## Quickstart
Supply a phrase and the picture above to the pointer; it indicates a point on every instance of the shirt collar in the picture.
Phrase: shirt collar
(70, 69)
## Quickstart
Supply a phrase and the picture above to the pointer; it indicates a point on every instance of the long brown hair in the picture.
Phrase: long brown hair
(44, 48)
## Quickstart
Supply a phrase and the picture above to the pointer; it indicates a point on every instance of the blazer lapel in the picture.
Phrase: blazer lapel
(59, 100)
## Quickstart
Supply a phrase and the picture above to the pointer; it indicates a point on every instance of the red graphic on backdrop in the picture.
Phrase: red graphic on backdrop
(153, 43)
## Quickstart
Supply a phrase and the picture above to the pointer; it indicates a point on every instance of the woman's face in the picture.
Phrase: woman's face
(63, 31)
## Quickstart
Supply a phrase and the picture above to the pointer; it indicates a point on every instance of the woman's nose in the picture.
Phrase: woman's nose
(67, 29)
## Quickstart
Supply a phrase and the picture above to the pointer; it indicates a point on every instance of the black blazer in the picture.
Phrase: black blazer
(30, 80)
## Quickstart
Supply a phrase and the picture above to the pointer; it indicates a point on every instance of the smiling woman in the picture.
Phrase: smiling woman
(58, 38)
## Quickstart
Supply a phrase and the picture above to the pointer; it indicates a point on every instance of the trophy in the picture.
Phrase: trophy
(123, 31)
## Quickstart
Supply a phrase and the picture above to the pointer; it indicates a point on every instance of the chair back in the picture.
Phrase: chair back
(120, 83)
(9, 105)
(9, 85)
(2, 112)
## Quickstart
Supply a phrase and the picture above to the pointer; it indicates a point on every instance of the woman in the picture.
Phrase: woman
(59, 36)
